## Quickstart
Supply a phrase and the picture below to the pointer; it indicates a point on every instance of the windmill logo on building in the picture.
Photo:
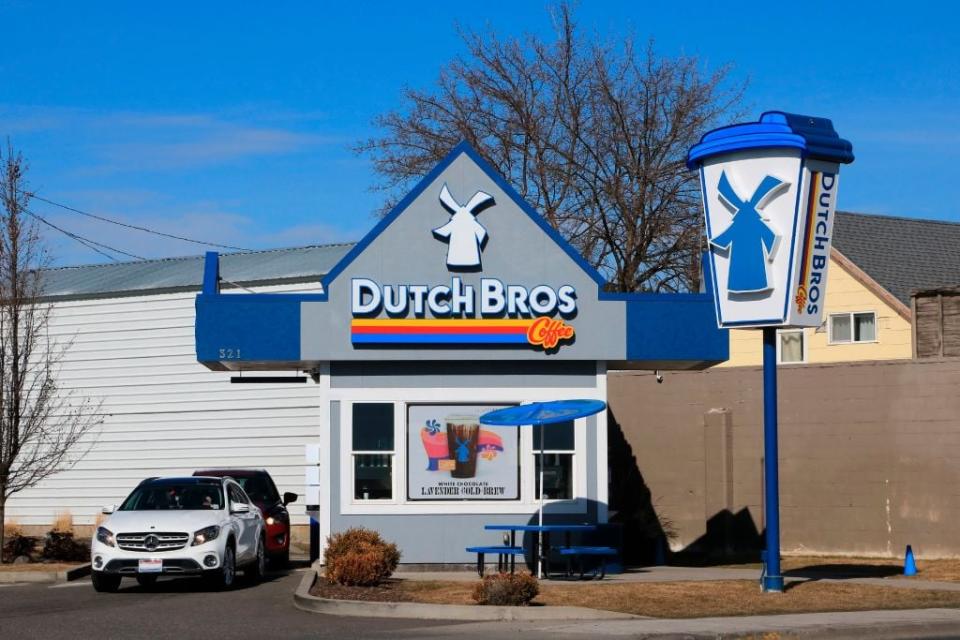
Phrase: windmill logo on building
(748, 239)
(464, 236)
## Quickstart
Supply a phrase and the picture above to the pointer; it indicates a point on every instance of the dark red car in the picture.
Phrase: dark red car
(258, 484)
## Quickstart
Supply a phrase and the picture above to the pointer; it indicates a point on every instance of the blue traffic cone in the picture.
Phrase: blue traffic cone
(909, 564)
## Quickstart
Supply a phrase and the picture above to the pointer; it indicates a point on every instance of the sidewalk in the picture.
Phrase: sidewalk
(913, 623)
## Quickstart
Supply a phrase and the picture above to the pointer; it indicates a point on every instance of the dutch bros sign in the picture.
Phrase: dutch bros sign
(457, 312)
(769, 197)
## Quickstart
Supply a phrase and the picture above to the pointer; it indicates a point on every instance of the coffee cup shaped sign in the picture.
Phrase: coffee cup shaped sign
(769, 198)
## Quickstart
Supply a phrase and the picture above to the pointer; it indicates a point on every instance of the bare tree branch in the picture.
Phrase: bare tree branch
(43, 429)
(593, 134)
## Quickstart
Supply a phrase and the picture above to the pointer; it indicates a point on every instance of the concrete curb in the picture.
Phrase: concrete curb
(363, 609)
(45, 577)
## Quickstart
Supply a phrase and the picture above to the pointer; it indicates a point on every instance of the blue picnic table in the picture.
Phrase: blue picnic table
(512, 550)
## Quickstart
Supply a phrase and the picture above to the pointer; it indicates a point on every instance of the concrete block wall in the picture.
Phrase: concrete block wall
(869, 455)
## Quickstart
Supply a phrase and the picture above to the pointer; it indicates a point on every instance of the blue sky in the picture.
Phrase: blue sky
(233, 122)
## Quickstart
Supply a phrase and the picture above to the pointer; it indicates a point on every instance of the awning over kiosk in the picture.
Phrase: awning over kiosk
(438, 280)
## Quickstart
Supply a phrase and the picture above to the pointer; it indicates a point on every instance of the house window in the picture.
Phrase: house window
(791, 347)
(373, 450)
(557, 460)
(847, 328)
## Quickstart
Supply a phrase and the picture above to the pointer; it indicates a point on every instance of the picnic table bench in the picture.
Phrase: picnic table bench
(502, 552)
(568, 551)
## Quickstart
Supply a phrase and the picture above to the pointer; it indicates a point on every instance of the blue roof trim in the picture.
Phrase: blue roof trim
(461, 148)
(814, 137)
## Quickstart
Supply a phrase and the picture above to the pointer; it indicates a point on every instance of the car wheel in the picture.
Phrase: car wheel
(258, 568)
(146, 581)
(223, 578)
(105, 582)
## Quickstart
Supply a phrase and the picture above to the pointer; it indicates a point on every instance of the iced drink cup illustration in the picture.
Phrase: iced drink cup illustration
(463, 432)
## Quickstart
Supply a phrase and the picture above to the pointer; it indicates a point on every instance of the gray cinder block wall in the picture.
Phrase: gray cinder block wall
(869, 455)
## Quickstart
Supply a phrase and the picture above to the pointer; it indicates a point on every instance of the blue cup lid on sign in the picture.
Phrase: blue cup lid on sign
(814, 137)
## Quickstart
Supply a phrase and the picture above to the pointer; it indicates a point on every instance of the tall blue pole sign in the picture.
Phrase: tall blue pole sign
(769, 196)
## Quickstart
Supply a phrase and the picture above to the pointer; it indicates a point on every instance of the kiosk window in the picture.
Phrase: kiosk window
(557, 460)
(373, 450)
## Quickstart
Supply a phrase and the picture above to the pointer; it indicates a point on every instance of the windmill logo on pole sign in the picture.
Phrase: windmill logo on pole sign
(748, 239)
(464, 235)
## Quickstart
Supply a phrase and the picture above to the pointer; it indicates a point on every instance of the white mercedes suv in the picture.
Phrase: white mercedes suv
(179, 526)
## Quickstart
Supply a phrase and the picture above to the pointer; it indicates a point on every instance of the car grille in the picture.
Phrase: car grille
(178, 565)
(150, 542)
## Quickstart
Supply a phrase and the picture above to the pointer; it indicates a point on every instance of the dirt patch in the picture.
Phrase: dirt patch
(40, 566)
(670, 599)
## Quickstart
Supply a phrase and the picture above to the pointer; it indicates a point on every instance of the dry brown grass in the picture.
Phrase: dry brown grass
(63, 523)
(704, 599)
(12, 528)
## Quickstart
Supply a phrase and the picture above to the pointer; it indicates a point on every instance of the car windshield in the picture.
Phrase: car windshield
(259, 488)
(175, 496)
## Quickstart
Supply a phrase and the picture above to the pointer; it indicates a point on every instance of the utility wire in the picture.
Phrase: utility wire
(133, 226)
(87, 242)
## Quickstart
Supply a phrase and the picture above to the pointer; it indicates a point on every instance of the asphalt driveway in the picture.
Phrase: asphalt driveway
(176, 608)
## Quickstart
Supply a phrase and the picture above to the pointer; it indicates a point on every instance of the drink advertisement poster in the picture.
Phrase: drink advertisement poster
(451, 456)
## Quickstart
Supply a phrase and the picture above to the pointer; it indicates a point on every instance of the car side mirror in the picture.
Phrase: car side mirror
(107, 510)
(239, 507)
(288, 497)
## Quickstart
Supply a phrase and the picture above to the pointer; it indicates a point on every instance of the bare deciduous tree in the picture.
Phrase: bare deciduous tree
(42, 427)
(593, 135)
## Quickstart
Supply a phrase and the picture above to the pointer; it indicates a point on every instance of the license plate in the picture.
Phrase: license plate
(150, 565)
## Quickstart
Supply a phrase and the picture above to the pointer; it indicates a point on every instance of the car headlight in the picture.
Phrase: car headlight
(205, 535)
(105, 536)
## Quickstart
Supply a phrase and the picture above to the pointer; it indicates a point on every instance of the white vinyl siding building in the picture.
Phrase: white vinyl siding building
(164, 413)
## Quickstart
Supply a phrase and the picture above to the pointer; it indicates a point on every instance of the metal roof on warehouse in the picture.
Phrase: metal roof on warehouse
(296, 264)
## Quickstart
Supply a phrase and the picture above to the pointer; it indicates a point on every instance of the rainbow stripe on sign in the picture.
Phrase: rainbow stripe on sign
(386, 331)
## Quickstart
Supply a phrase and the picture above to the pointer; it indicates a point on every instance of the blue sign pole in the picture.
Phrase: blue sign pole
(772, 579)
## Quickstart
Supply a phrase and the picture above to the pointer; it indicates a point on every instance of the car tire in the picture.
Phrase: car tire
(105, 582)
(146, 581)
(224, 578)
(257, 569)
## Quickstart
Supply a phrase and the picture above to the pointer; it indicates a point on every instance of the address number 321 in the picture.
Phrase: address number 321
(229, 354)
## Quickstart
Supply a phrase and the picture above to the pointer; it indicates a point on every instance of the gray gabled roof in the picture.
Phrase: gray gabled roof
(298, 264)
(901, 254)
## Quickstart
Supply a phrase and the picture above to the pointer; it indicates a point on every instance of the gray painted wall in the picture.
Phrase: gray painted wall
(439, 538)
(517, 252)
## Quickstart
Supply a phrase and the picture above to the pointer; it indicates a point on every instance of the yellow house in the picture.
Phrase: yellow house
(875, 263)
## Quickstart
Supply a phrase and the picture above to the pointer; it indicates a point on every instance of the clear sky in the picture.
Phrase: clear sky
(234, 121)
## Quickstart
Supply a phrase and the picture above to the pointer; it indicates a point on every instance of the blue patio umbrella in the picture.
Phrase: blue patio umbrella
(539, 414)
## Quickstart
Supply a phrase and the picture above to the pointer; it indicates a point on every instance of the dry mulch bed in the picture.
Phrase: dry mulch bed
(388, 591)
(40, 566)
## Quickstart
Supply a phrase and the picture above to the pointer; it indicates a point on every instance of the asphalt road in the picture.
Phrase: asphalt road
(177, 608)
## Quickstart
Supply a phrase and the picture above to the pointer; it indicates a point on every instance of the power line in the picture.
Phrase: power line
(87, 242)
(133, 226)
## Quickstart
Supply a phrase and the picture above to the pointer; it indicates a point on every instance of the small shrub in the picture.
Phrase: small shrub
(511, 589)
(62, 547)
(359, 557)
(16, 544)
(12, 529)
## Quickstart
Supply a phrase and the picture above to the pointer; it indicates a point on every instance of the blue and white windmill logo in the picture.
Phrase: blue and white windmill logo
(465, 236)
(749, 240)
